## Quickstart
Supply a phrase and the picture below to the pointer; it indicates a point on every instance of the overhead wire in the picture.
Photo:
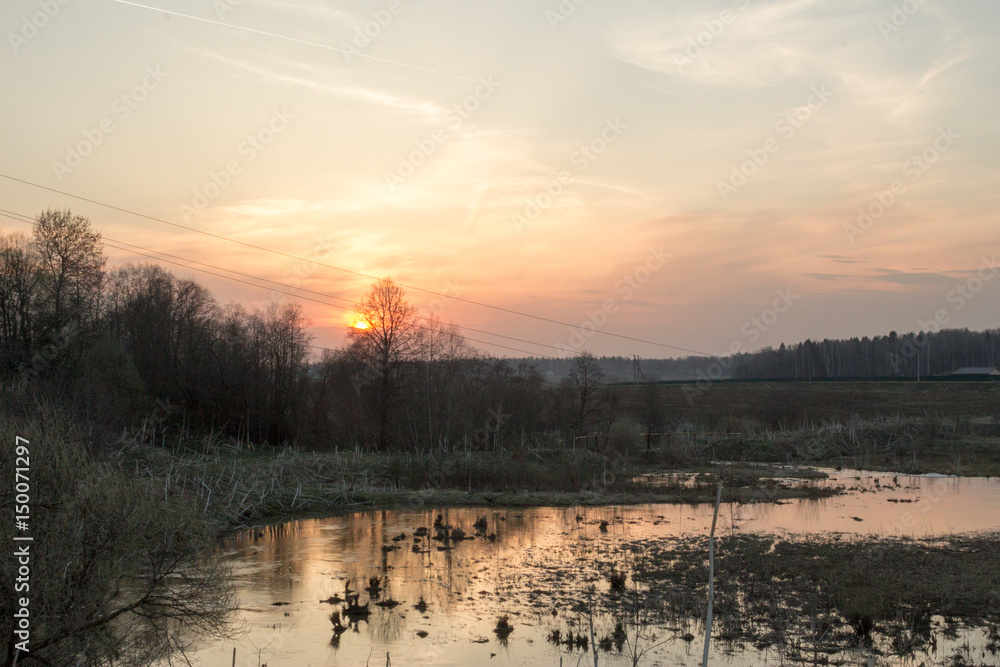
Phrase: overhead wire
(481, 304)
(186, 263)
(114, 244)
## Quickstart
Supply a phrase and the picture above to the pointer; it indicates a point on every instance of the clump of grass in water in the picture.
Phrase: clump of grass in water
(615, 640)
(503, 627)
(338, 626)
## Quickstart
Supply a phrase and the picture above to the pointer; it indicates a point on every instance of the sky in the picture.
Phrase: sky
(642, 178)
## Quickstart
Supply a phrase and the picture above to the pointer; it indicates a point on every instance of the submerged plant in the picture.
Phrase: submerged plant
(617, 580)
(503, 627)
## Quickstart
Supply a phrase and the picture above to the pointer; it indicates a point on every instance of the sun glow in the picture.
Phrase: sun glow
(361, 323)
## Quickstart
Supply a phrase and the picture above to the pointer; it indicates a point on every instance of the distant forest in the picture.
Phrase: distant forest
(137, 347)
(891, 356)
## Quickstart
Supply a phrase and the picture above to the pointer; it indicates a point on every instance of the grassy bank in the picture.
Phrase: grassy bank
(238, 487)
(954, 446)
(911, 428)
(793, 405)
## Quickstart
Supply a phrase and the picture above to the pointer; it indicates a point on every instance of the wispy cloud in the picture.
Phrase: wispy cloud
(758, 46)
(841, 259)
(913, 278)
(790, 41)
(311, 9)
(312, 77)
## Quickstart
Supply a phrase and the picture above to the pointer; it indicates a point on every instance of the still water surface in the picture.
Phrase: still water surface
(285, 574)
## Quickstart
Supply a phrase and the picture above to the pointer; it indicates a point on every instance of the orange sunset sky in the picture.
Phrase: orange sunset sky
(664, 170)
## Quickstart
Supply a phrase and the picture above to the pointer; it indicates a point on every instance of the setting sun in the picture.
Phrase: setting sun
(361, 324)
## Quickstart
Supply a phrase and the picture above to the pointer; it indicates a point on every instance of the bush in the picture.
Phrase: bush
(115, 570)
(108, 382)
(627, 438)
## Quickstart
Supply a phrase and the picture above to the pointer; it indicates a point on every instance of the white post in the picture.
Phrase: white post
(711, 577)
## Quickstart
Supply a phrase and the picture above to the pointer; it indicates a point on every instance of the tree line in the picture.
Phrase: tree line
(893, 356)
(136, 344)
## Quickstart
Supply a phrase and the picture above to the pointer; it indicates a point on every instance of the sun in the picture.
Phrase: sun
(361, 323)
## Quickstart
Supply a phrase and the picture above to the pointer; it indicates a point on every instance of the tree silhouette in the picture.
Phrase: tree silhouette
(383, 339)
(71, 259)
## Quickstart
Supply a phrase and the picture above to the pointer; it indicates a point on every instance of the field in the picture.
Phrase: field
(794, 404)
(180, 491)
(946, 428)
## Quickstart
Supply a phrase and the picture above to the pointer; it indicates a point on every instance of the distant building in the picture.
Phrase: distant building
(976, 373)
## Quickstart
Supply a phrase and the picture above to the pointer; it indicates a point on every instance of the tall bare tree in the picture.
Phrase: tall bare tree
(71, 262)
(18, 296)
(585, 379)
(384, 338)
(434, 403)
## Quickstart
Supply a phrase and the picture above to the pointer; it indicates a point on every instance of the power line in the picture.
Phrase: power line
(112, 243)
(20, 217)
(350, 271)
(349, 52)
(275, 282)
(323, 294)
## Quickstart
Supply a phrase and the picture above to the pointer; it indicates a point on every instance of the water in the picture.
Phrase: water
(284, 574)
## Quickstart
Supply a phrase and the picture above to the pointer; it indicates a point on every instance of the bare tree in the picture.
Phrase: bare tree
(384, 338)
(652, 413)
(71, 260)
(280, 335)
(18, 296)
(439, 386)
(585, 379)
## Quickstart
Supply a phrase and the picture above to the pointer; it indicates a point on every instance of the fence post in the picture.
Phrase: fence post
(711, 576)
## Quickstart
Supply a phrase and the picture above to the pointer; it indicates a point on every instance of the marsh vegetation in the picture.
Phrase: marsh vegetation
(162, 422)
